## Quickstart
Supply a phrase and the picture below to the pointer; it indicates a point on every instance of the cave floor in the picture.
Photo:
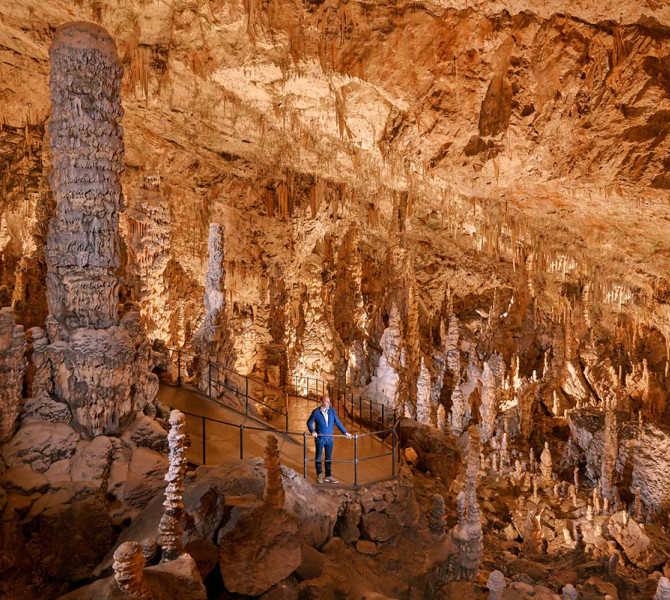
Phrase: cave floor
(223, 440)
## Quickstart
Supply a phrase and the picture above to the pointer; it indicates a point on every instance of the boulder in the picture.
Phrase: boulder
(23, 480)
(347, 526)
(146, 432)
(174, 580)
(40, 444)
(45, 408)
(258, 547)
(379, 526)
(74, 537)
(91, 461)
(436, 452)
(635, 543)
(312, 563)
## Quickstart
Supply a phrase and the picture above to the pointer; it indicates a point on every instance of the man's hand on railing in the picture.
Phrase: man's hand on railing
(315, 434)
(349, 436)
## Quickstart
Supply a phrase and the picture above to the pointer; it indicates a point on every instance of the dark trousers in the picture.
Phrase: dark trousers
(324, 443)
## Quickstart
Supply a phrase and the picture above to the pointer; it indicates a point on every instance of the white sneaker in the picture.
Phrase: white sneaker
(319, 478)
(331, 479)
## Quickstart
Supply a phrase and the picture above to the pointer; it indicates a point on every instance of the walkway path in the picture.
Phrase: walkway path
(223, 441)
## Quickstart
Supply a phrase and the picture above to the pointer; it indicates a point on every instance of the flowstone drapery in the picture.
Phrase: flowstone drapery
(170, 527)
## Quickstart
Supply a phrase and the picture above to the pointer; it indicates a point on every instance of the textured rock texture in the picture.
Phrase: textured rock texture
(99, 364)
(12, 369)
(86, 143)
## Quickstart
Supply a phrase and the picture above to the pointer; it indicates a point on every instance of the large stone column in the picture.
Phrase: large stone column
(87, 160)
(100, 364)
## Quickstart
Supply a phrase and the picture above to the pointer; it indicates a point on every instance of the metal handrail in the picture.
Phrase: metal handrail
(339, 395)
(382, 433)
(235, 389)
(355, 461)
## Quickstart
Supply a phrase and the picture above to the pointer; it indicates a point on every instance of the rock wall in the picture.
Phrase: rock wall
(13, 368)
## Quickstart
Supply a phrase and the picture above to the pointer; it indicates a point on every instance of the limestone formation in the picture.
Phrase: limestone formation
(100, 365)
(467, 534)
(128, 570)
(569, 592)
(459, 417)
(274, 488)
(87, 160)
(545, 463)
(170, 527)
(663, 589)
(437, 515)
(212, 335)
(12, 370)
(488, 408)
(496, 584)
(453, 351)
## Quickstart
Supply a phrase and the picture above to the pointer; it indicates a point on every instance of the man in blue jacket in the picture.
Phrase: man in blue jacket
(321, 425)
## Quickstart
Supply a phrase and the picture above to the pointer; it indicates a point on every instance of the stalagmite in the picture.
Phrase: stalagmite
(423, 387)
(453, 352)
(662, 589)
(170, 527)
(488, 408)
(101, 367)
(12, 371)
(459, 417)
(212, 340)
(496, 584)
(437, 515)
(274, 493)
(545, 463)
(87, 160)
(569, 592)
(128, 570)
(468, 535)
(610, 450)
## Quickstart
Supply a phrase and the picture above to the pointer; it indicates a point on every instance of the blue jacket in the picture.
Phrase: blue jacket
(316, 421)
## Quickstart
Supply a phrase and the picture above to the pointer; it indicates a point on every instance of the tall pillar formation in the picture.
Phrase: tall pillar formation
(100, 364)
(87, 161)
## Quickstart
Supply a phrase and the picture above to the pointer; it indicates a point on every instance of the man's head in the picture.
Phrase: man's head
(325, 401)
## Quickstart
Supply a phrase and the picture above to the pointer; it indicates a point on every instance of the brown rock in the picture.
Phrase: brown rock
(263, 537)
(366, 547)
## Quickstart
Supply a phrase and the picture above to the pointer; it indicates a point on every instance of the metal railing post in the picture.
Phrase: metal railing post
(179, 368)
(209, 377)
(382, 417)
(246, 395)
(304, 455)
(356, 460)
(241, 442)
(204, 440)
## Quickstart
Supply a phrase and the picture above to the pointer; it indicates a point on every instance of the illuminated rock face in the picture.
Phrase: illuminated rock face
(12, 370)
(100, 366)
(87, 160)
